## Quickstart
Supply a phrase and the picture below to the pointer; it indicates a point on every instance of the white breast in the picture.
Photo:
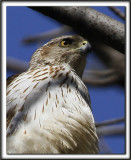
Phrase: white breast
(52, 113)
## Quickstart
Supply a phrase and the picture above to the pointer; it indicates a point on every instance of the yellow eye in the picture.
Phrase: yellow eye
(66, 42)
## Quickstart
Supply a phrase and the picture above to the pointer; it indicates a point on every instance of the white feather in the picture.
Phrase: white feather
(58, 117)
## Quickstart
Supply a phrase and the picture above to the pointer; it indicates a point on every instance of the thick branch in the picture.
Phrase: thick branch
(89, 23)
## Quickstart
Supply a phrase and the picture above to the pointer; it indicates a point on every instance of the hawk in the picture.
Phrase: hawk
(48, 106)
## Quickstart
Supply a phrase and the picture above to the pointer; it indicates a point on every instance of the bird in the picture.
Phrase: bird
(48, 106)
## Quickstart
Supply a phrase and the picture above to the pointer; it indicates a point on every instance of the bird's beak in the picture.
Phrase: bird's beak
(85, 47)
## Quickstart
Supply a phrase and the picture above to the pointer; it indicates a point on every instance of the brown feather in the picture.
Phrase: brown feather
(11, 78)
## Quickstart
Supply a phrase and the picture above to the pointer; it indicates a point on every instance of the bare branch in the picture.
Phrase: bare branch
(100, 77)
(89, 23)
(17, 65)
(113, 59)
(117, 12)
(110, 130)
(48, 35)
(110, 122)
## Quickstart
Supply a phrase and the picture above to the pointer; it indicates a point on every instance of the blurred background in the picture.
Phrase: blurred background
(108, 101)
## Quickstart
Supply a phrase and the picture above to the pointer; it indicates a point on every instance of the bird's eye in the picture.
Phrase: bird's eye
(66, 42)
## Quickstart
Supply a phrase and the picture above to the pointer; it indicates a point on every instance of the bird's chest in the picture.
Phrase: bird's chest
(50, 106)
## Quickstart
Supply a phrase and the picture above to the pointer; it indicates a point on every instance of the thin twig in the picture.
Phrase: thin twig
(48, 35)
(100, 77)
(101, 82)
(113, 59)
(110, 122)
(16, 65)
(117, 12)
(110, 130)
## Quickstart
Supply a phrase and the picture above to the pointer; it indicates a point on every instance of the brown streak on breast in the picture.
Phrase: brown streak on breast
(48, 86)
(25, 90)
(46, 102)
(15, 85)
(25, 97)
(32, 70)
(21, 109)
(25, 132)
(40, 75)
(57, 71)
(51, 70)
(57, 99)
(8, 92)
(44, 78)
(17, 80)
(36, 73)
(54, 76)
(29, 77)
(35, 85)
(60, 75)
(65, 101)
(56, 104)
(45, 69)
(49, 95)
(56, 68)
(62, 92)
(43, 109)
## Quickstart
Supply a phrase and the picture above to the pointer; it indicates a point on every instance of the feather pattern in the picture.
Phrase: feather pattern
(54, 109)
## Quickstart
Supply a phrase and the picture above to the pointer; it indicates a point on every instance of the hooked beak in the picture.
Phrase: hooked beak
(85, 47)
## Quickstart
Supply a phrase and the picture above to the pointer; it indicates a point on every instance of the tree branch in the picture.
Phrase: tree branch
(117, 12)
(89, 23)
(110, 130)
(48, 35)
(17, 65)
(114, 60)
(110, 122)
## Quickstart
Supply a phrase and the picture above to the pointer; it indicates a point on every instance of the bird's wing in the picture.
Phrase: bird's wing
(11, 78)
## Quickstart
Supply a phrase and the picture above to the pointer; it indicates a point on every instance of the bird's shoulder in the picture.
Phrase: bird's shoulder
(11, 78)
(28, 87)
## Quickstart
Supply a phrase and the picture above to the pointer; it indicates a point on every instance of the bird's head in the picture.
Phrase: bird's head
(65, 50)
